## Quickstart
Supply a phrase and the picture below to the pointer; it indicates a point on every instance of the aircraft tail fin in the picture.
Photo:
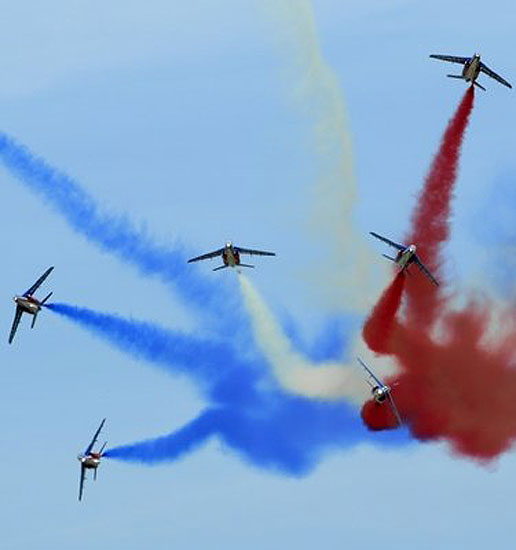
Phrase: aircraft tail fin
(475, 83)
(389, 258)
(95, 474)
(34, 320)
(220, 267)
(245, 265)
(102, 448)
(46, 298)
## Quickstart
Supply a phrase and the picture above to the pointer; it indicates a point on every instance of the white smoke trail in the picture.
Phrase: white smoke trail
(326, 380)
(343, 276)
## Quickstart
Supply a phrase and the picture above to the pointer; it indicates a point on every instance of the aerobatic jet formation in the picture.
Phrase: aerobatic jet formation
(27, 303)
(231, 255)
(472, 69)
(90, 460)
(380, 391)
(405, 257)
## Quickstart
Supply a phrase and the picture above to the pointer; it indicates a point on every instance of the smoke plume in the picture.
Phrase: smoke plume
(458, 378)
(247, 411)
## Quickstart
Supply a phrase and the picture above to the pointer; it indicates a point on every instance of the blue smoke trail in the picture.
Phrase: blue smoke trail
(116, 234)
(209, 362)
(283, 433)
(248, 411)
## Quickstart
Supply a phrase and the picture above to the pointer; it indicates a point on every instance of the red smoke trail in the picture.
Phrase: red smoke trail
(377, 330)
(431, 219)
(456, 383)
(378, 416)
(430, 230)
(460, 387)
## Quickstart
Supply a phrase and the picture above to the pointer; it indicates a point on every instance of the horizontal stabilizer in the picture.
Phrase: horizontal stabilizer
(389, 257)
(245, 265)
(455, 76)
(479, 85)
(46, 298)
(34, 320)
(220, 267)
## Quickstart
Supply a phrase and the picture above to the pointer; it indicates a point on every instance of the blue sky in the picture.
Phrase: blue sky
(183, 116)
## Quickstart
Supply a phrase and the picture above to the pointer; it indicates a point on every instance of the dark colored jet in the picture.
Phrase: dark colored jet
(231, 255)
(90, 460)
(26, 303)
(472, 69)
(406, 255)
(380, 391)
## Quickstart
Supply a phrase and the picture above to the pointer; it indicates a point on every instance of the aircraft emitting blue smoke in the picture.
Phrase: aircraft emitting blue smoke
(247, 411)
(116, 234)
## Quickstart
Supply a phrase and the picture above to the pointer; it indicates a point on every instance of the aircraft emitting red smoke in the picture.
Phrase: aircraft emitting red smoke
(430, 230)
(454, 383)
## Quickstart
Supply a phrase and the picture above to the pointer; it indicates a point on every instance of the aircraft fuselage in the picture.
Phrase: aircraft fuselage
(471, 69)
(380, 393)
(28, 304)
(230, 256)
(90, 461)
(406, 257)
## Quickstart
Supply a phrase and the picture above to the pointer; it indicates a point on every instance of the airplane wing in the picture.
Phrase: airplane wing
(426, 271)
(16, 322)
(451, 58)
(370, 372)
(95, 437)
(485, 69)
(39, 282)
(394, 408)
(253, 252)
(388, 241)
(207, 256)
(81, 482)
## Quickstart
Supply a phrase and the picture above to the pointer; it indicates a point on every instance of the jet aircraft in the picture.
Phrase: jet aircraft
(380, 391)
(231, 255)
(26, 303)
(90, 460)
(406, 256)
(472, 69)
